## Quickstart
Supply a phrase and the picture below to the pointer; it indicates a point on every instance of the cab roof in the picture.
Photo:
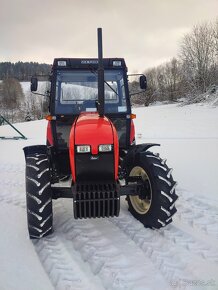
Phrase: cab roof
(88, 63)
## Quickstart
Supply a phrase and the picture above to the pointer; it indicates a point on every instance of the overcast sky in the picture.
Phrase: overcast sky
(145, 32)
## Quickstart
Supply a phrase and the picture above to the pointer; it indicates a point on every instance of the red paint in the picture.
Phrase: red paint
(71, 149)
(93, 130)
(132, 132)
(116, 152)
(90, 129)
(49, 134)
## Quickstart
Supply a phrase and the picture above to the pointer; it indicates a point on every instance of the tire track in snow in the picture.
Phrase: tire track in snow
(12, 187)
(12, 193)
(13, 199)
(174, 262)
(115, 260)
(179, 237)
(63, 271)
(12, 168)
(108, 265)
(198, 214)
(194, 236)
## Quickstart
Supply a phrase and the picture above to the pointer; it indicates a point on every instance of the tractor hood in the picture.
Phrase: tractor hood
(90, 130)
(93, 130)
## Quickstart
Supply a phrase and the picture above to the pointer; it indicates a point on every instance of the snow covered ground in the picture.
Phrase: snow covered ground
(120, 253)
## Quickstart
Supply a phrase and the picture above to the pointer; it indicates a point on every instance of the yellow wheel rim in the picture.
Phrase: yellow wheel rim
(141, 206)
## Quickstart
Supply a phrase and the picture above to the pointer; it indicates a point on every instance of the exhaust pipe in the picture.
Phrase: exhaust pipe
(100, 75)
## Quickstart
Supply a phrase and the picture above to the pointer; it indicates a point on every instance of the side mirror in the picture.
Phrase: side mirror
(143, 82)
(34, 84)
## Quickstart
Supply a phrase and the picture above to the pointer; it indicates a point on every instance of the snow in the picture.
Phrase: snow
(119, 253)
(19, 265)
(42, 86)
(189, 140)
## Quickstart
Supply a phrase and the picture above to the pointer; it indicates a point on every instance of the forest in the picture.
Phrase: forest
(23, 71)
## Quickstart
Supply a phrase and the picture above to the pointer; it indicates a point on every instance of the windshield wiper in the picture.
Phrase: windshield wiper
(92, 70)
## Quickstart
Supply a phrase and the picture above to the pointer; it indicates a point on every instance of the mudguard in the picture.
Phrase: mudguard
(134, 151)
(30, 150)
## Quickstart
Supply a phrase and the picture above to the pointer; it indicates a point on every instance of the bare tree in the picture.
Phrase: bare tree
(151, 92)
(215, 65)
(215, 36)
(161, 81)
(197, 55)
(194, 72)
(164, 82)
(172, 78)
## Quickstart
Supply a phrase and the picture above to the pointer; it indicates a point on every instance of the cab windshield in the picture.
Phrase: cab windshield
(77, 91)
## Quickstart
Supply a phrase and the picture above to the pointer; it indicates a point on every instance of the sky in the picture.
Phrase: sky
(145, 32)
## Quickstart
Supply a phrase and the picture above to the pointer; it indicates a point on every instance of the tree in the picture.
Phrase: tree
(215, 36)
(151, 92)
(173, 79)
(197, 55)
(215, 66)
(12, 94)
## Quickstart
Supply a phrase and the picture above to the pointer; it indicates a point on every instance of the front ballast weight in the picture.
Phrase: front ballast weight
(96, 199)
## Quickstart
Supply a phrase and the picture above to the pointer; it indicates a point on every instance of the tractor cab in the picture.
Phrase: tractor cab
(76, 86)
(74, 83)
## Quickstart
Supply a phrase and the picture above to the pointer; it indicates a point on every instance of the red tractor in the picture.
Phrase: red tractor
(91, 155)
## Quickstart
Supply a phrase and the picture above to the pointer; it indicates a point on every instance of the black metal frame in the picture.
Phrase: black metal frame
(75, 64)
(132, 188)
(21, 136)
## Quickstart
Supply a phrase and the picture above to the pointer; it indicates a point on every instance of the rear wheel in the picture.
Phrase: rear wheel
(155, 205)
(38, 196)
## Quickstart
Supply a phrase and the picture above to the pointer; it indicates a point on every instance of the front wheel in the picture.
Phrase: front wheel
(38, 196)
(155, 205)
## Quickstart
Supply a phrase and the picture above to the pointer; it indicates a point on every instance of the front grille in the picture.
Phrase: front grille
(96, 200)
(88, 168)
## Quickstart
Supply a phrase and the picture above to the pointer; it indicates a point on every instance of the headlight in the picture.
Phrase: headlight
(105, 148)
(83, 148)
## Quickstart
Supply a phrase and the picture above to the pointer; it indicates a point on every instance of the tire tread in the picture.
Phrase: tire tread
(38, 196)
(164, 197)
